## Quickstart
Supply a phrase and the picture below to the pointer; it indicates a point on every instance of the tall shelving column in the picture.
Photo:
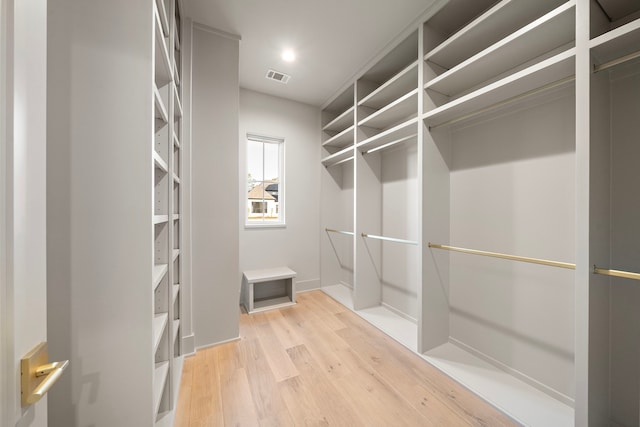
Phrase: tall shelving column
(175, 199)
(161, 209)
(166, 202)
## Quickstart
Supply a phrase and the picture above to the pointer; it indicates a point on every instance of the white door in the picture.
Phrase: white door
(23, 308)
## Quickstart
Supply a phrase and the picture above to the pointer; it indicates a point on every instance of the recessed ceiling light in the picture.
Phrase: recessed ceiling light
(288, 55)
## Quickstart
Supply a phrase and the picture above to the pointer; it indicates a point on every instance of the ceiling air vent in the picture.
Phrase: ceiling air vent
(278, 76)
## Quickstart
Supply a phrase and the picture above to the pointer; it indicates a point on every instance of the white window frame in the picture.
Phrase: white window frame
(281, 223)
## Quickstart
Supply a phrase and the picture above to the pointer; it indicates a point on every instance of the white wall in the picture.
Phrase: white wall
(297, 245)
(625, 246)
(400, 203)
(337, 250)
(214, 156)
(99, 202)
(512, 191)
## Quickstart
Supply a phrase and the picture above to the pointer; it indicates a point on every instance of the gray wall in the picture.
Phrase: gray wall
(297, 245)
(214, 156)
(512, 191)
(99, 233)
(400, 203)
(625, 250)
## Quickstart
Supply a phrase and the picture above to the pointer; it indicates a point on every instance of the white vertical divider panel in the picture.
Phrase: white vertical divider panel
(368, 210)
(337, 199)
(583, 416)
(216, 274)
(599, 250)
(330, 262)
(436, 157)
(186, 315)
(422, 244)
(367, 219)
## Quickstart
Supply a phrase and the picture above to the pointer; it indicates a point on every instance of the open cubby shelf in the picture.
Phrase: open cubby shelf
(166, 156)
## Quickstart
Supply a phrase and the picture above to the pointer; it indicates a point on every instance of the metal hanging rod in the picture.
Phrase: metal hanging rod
(389, 144)
(616, 273)
(601, 67)
(389, 239)
(348, 159)
(546, 87)
(331, 230)
(505, 256)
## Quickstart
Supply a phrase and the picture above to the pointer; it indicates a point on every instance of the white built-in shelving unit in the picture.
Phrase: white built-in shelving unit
(513, 124)
(166, 159)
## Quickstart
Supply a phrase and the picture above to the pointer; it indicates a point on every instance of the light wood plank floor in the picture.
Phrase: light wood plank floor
(319, 364)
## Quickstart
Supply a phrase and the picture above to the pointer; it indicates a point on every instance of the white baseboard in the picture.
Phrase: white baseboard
(307, 285)
(399, 313)
(188, 345)
(515, 373)
(203, 347)
(348, 285)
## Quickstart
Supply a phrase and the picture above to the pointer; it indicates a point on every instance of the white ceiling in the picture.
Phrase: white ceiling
(333, 39)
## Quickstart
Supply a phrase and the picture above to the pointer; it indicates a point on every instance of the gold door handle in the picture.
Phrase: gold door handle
(34, 366)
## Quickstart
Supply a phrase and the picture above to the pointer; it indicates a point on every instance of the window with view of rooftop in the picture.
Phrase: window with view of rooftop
(265, 183)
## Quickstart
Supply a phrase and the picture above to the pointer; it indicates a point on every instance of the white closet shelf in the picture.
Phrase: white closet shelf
(403, 82)
(339, 157)
(401, 108)
(159, 162)
(390, 136)
(177, 105)
(176, 179)
(341, 122)
(159, 271)
(162, 11)
(175, 72)
(176, 141)
(341, 139)
(496, 23)
(159, 324)
(160, 110)
(176, 217)
(177, 42)
(160, 219)
(616, 43)
(162, 62)
(175, 290)
(176, 254)
(555, 29)
(176, 327)
(159, 381)
(556, 68)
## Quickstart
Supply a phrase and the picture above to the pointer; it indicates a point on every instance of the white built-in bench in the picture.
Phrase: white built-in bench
(268, 289)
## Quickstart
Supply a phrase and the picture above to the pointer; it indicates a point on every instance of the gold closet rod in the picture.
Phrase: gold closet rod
(348, 159)
(614, 62)
(505, 256)
(331, 230)
(507, 101)
(596, 270)
(389, 239)
(616, 273)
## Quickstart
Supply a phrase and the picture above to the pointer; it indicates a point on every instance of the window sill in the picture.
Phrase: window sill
(259, 226)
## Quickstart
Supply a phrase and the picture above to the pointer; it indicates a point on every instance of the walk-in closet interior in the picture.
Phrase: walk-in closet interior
(469, 188)
(477, 176)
